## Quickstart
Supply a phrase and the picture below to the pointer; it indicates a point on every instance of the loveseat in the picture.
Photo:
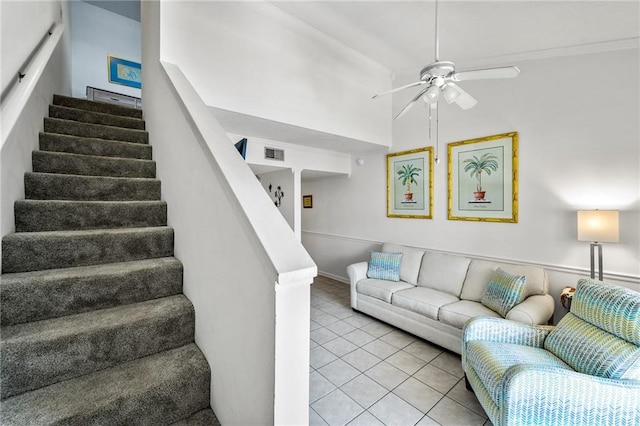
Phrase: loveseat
(437, 293)
(584, 371)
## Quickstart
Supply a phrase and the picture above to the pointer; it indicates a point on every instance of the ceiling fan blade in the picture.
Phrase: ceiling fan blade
(397, 89)
(454, 93)
(488, 73)
(410, 104)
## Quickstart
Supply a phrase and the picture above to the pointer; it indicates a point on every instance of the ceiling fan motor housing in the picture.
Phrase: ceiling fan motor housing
(440, 69)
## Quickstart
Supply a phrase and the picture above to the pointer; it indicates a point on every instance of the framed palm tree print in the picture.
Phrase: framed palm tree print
(410, 184)
(483, 179)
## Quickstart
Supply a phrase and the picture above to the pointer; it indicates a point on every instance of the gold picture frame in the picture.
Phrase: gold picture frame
(307, 201)
(410, 184)
(483, 179)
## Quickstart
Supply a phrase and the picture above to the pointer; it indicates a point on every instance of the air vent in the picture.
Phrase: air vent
(274, 154)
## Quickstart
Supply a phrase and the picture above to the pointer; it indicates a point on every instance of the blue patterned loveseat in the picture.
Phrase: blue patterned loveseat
(584, 371)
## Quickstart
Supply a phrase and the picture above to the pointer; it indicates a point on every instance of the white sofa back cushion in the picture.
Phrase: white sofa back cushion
(444, 272)
(410, 264)
(480, 272)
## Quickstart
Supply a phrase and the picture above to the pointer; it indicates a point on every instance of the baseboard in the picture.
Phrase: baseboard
(334, 277)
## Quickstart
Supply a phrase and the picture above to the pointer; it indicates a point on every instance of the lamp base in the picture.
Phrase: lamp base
(597, 246)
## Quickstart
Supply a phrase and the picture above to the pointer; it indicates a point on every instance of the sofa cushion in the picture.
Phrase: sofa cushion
(504, 291)
(384, 266)
(380, 289)
(591, 350)
(458, 313)
(480, 272)
(410, 264)
(421, 300)
(444, 272)
(490, 360)
(612, 308)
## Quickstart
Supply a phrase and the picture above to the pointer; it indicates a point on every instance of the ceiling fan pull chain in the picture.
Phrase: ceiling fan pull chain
(437, 157)
(429, 122)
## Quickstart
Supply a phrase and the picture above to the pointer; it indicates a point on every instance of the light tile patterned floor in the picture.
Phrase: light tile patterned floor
(365, 372)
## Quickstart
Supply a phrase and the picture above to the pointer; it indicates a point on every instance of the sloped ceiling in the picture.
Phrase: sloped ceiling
(401, 34)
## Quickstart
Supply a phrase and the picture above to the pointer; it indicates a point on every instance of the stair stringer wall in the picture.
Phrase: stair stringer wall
(21, 139)
(245, 272)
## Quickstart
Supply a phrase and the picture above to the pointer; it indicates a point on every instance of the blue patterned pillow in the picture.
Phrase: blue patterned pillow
(384, 266)
(505, 291)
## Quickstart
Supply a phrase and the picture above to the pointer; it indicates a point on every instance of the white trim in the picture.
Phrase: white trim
(548, 266)
(583, 49)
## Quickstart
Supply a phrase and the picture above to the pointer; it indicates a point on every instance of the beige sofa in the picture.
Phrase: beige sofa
(438, 292)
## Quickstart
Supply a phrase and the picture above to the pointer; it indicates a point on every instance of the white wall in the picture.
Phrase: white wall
(244, 270)
(578, 150)
(285, 180)
(21, 138)
(252, 58)
(23, 24)
(97, 33)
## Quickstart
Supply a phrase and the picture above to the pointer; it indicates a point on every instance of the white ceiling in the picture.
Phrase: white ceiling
(401, 34)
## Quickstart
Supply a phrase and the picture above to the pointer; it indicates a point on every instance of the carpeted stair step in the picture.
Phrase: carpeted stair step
(155, 390)
(90, 165)
(84, 116)
(93, 146)
(64, 215)
(204, 417)
(102, 107)
(42, 353)
(53, 186)
(75, 128)
(35, 251)
(39, 295)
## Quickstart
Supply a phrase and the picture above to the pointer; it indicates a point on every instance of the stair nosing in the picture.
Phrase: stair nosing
(124, 108)
(141, 120)
(105, 126)
(83, 138)
(83, 270)
(92, 176)
(90, 232)
(86, 156)
(128, 370)
(35, 328)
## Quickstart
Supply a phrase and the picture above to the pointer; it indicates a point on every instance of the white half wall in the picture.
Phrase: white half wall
(95, 34)
(253, 58)
(578, 150)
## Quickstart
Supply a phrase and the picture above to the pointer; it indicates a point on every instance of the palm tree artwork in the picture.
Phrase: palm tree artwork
(487, 163)
(407, 175)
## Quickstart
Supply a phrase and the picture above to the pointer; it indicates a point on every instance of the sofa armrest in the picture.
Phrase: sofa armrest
(550, 395)
(536, 309)
(502, 330)
(356, 272)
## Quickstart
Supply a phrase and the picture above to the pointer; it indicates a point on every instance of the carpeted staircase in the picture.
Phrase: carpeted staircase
(94, 326)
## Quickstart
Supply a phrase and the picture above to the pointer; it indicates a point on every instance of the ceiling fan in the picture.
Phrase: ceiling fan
(440, 79)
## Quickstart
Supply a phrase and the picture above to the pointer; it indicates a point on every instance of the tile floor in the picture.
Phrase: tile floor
(365, 372)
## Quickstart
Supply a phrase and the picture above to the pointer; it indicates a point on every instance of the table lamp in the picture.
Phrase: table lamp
(598, 226)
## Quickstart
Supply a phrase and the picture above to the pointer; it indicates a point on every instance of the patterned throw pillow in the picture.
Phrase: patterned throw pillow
(504, 292)
(384, 266)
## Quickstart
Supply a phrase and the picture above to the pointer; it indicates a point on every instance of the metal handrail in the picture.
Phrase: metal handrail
(15, 97)
(22, 71)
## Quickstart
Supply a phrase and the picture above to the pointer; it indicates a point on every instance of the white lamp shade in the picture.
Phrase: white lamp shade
(598, 226)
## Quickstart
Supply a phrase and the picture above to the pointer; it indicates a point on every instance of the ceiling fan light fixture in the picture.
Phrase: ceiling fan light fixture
(431, 95)
(449, 93)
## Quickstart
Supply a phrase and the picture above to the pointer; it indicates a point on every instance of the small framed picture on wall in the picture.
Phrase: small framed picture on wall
(307, 201)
